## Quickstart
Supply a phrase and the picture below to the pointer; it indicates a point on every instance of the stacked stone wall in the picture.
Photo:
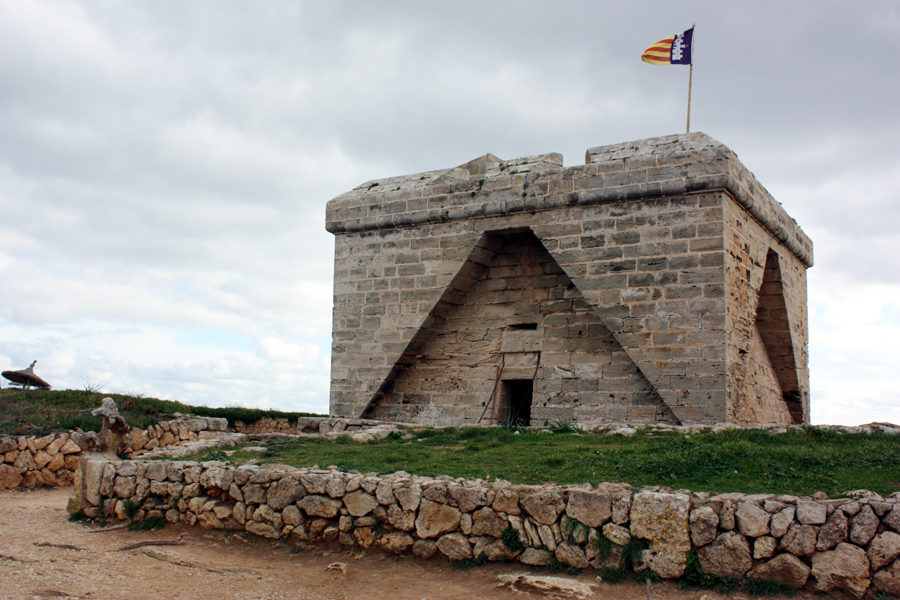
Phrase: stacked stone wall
(30, 461)
(848, 544)
(266, 425)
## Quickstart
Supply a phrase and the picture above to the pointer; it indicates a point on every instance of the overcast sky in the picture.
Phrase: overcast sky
(164, 166)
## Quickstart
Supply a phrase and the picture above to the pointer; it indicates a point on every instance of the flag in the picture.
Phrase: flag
(674, 50)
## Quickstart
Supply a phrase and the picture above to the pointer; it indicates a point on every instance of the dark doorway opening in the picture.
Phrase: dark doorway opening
(515, 402)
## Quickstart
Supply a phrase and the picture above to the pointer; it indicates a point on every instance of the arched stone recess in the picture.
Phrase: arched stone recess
(512, 338)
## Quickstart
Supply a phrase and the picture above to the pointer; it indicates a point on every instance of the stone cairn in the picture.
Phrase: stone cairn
(849, 544)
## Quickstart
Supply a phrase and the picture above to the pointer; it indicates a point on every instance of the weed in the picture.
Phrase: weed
(512, 539)
(562, 426)
(79, 517)
(605, 547)
(647, 575)
(148, 524)
(882, 595)
(296, 550)
(633, 553)
(694, 575)
(610, 575)
(216, 455)
(131, 508)
(756, 587)
(463, 564)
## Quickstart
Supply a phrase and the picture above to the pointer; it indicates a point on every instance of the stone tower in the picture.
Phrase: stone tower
(658, 282)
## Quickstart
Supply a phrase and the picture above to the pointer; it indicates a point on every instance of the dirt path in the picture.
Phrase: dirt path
(217, 565)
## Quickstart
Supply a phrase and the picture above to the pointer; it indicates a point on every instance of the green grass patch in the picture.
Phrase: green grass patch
(796, 462)
(39, 412)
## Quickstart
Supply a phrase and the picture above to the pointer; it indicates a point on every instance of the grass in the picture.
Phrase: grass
(797, 462)
(39, 412)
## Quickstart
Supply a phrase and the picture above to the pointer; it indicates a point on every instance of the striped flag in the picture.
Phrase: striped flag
(674, 50)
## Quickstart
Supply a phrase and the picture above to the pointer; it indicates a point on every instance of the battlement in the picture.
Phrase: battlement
(489, 186)
(659, 281)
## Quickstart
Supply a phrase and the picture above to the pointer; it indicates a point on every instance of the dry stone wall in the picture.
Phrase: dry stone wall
(29, 461)
(848, 544)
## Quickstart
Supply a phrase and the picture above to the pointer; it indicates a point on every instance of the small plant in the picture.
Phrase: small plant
(296, 550)
(605, 547)
(79, 517)
(512, 539)
(148, 524)
(562, 426)
(217, 455)
(647, 575)
(131, 508)
(464, 564)
(695, 575)
(883, 595)
(633, 553)
(756, 587)
(610, 575)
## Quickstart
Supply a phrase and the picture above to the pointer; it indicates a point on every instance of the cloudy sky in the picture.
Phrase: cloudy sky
(164, 165)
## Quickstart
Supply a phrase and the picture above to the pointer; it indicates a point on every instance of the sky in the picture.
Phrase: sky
(165, 165)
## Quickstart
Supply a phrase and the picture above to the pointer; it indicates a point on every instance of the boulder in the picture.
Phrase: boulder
(536, 557)
(884, 549)
(704, 524)
(506, 501)
(572, 555)
(844, 568)
(811, 513)
(283, 492)
(468, 498)
(454, 546)
(409, 496)
(424, 548)
(781, 522)
(552, 587)
(800, 540)
(764, 547)
(544, 506)
(591, 508)
(727, 556)
(864, 526)
(395, 541)
(785, 569)
(662, 518)
(751, 519)
(435, 519)
(319, 506)
(9, 477)
(359, 503)
(487, 522)
(401, 519)
(833, 532)
(888, 580)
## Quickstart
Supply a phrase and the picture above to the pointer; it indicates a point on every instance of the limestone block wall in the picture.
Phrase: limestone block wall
(630, 288)
(29, 461)
(848, 544)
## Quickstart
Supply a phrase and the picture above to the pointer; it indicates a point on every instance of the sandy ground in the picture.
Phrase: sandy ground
(208, 564)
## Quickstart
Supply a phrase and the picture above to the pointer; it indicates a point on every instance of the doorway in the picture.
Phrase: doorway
(515, 402)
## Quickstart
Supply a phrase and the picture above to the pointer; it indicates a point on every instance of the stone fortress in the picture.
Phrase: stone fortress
(658, 282)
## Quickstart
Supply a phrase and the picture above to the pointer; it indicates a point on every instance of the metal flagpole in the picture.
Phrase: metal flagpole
(690, 82)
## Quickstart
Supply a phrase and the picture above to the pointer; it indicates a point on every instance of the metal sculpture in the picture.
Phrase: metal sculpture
(26, 378)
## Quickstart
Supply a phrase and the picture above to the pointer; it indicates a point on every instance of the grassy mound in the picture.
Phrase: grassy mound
(39, 412)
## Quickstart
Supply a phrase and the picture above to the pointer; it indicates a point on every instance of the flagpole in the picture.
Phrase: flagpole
(690, 82)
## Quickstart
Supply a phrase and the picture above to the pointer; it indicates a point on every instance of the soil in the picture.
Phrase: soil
(218, 565)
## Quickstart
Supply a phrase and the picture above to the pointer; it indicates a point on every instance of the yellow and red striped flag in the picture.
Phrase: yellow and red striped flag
(674, 50)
